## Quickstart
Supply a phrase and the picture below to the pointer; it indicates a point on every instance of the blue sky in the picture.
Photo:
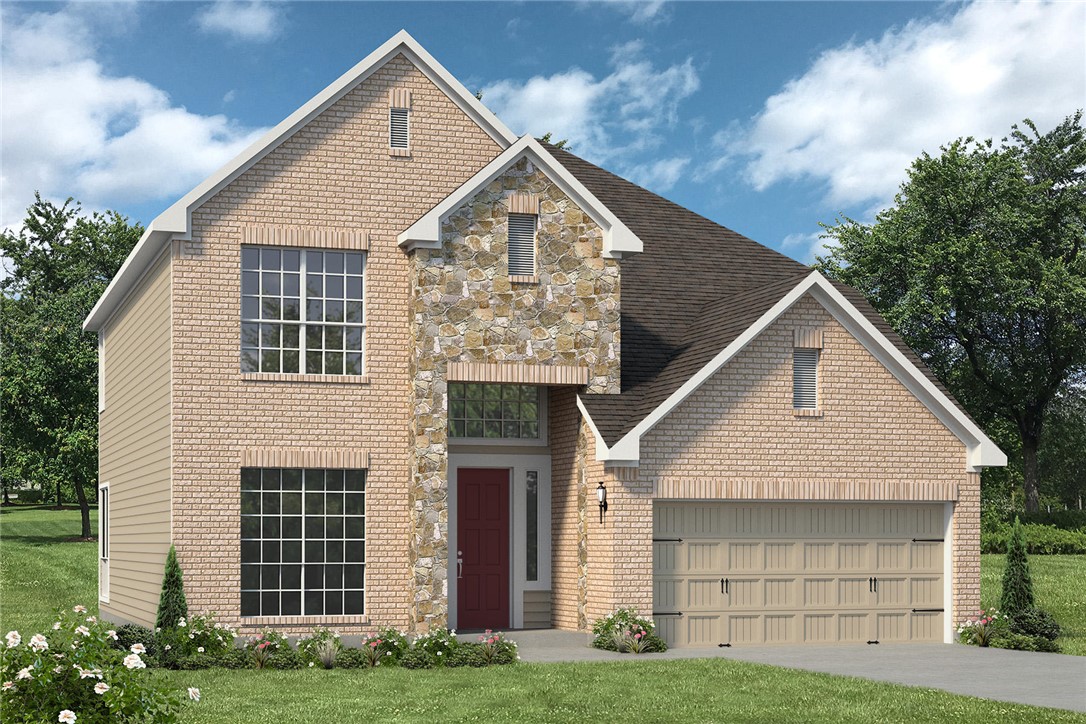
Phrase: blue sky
(766, 117)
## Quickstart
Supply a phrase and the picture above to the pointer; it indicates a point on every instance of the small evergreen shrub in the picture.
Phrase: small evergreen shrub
(1035, 622)
(285, 659)
(194, 662)
(624, 631)
(1022, 642)
(172, 606)
(235, 658)
(415, 658)
(468, 653)
(1017, 582)
(351, 659)
(130, 634)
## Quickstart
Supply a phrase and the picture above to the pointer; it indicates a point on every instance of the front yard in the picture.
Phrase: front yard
(39, 571)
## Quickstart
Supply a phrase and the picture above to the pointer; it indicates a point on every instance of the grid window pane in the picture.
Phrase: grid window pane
(302, 542)
(494, 411)
(302, 312)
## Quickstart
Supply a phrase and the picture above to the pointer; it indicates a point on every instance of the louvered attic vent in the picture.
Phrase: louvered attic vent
(398, 127)
(522, 244)
(805, 378)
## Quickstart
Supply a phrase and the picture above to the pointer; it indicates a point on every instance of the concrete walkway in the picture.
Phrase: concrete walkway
(1022, 677)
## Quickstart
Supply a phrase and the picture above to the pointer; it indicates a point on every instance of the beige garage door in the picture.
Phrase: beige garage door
(734, 573)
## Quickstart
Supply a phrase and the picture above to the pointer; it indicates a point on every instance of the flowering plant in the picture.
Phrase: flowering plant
(263, 645)
(436, 645)
(321, 647)
(194, 635)
(74, 674)
(982, 628)
(626, 632)
(496, 649)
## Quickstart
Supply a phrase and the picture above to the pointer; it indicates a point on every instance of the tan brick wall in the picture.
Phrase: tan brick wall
(965, 527)
(336, 173)
(568, 543)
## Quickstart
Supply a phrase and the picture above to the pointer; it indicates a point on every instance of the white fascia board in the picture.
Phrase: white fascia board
(618, 240)
(177, 220)
(980, 450)
(610, 455)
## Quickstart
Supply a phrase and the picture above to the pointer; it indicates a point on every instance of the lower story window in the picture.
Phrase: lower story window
(303, 542)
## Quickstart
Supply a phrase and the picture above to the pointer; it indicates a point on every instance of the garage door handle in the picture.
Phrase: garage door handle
(871, 585)
(725, 586)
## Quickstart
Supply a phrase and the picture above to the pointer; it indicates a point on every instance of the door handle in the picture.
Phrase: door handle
(876, 580)
(870, 585)
(460, 564)
(725, 586)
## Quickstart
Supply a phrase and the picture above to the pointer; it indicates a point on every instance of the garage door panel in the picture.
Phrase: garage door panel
(795, 572)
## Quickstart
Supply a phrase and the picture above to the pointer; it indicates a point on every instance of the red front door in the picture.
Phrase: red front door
(482, 535)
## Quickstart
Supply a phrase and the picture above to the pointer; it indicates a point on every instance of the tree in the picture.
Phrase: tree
(61, 262)
(1062, 458)
(979, 266)
(172, 606)
(1017, 596)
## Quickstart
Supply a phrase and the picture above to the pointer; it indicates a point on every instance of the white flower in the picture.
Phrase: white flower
(194, 693)
(9, 685)
(219, 639)
(168, 647)
(158, 629)
(56, 626)
(111, 634)
(80, 609)
(92, 619)
(38, 642)
(138, 649)
(24, 674)
(14, 639)
(311, 664)
(181, 623)
(83, 630)
(66, 717)
(133, 661)
(101, 687)
(58, 669)
(200, 649)
(192, 636)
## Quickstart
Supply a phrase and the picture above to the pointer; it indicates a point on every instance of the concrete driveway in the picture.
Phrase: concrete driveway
(1016, 676)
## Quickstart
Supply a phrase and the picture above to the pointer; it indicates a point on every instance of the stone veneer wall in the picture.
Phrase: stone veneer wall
(335, 173)
(466, 309)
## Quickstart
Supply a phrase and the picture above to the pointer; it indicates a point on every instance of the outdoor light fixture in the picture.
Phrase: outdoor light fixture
(601, 494)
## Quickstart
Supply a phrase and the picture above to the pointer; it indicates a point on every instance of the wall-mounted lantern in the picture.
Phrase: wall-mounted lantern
(601, 494)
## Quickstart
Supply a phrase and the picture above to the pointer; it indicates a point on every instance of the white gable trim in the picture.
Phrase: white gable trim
(175, 222)
(618, 240)
(980, 450)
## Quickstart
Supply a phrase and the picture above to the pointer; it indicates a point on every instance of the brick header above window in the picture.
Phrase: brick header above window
(517, 373)
(523, 204)
(306, 236)
(301, 457)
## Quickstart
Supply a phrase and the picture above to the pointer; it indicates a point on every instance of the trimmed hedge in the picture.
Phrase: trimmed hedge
(1039, 539)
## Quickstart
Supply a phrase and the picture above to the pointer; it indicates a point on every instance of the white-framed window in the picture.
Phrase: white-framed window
(303, 542)
(103, 542)
(805, 378)
(531, 525)
(302, 310)
(522, 228)
(399, 128)
(497, 413)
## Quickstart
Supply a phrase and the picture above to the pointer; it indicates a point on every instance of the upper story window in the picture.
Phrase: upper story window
(302, 311)
(399, 121)
(495, 412)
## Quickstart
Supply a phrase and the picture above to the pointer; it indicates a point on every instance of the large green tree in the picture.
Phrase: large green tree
(979, 265)
(58, 264)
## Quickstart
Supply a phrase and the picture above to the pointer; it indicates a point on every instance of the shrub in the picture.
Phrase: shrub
(1039, 539)
(264, 645)
(1022, 642)
(78, 668)
(351, 659)
(393, 644)
(284, 659)
(437, 645)
(172, 606)
(468, 653)
(235, 658)
(30, 497)
(193, 662)
(416, 659)
(497, 649)
(982, 629)
(1017, 583)
(191, 637)
(321, 647)
(1035, 622)
(130, 634)
(624, 631)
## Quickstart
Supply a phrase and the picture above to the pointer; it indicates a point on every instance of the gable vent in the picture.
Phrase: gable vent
(805, 378)
(397, 127)
(522, 244)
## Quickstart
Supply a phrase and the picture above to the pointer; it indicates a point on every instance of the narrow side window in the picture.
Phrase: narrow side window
(805, 378)
(399, 121)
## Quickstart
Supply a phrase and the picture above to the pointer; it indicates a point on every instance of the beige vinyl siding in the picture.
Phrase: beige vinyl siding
(134, 446)
(537, 609)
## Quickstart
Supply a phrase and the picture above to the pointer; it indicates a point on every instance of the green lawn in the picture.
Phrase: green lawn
(1059, 586)
(38, 571)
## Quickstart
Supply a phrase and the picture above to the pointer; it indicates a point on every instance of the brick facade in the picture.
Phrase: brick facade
(334, 174)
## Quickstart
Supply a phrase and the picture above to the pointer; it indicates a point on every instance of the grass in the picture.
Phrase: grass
(1059, 587)
(39, 571)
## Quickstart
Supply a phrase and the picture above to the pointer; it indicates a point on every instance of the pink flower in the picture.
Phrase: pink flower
(13, 639)
(24, 674)
(138, 649)
(111, 634)
(38, 642)
(66, 717)
(133, 661)
(83, 630)
(80, 609)
(373, 644)
(9, 685)
(101, 687)
(194, 693)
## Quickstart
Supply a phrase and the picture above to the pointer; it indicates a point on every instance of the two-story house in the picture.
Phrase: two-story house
(384, 368)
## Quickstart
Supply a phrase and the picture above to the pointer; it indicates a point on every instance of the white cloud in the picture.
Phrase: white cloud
(645, 12)
(658, 176)
(861, 113)
(72, 129)
(606, 118)
(805, 247)
(255, 21)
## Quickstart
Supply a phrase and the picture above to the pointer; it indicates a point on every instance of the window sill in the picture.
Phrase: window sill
(806, 413)
(524, 278)
(304, 620)
(399, 152)
(320, 379)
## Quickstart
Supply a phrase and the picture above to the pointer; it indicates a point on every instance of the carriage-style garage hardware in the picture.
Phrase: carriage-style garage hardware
(667, 540)
(928, 610)
(723, 646)
(725, 586)
(928, 540)
(667, 613)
